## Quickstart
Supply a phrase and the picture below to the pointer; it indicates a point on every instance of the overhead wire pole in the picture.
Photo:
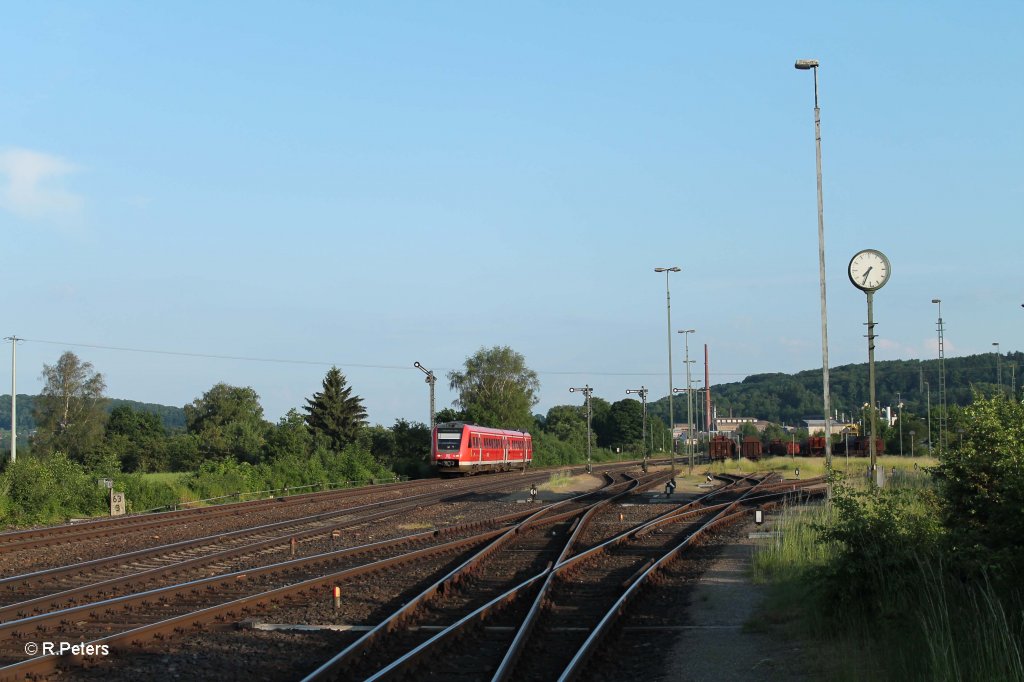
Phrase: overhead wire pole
(943, 438)
(14, 396)
(812, 65)
(642, 392)
(586, 391)
(671, 414)
(689, 400)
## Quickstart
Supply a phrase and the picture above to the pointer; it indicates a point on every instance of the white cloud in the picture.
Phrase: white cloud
(30, 186)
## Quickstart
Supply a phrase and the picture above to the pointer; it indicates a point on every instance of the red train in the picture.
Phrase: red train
(460, 448)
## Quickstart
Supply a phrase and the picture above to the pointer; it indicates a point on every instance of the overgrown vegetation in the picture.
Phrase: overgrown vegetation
(919, 581)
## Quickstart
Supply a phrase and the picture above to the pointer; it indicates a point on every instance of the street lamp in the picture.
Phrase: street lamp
(689, 393)
(812, 65)
(943, 440)
(668, 309)
(587, 391)
(642, 392)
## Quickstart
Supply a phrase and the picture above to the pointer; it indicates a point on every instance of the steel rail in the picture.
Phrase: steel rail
(586, 650)
(389, 623)
(27, 580)
(416, 654)
(515, 650)
(106, 588)
(42, 664)
(179, 624)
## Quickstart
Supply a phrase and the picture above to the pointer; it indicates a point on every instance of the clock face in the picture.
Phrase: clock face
(869, 270)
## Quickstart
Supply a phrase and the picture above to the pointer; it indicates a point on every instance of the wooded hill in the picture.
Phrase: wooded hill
(173, 418)
(791, 398)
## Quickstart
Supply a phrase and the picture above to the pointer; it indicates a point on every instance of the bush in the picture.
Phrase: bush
(881, 536)
(34, 490)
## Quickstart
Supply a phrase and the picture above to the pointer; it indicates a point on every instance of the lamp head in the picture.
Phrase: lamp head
(936, 300)
(806, 64)
(416, 365)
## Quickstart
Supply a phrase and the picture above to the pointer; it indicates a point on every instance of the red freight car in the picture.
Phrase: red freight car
(751, 448)
(721, 447)
(460, 448)
(815, 446)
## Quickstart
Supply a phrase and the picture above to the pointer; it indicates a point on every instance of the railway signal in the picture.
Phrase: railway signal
(642, 392)
(431, 379)
(587, 391)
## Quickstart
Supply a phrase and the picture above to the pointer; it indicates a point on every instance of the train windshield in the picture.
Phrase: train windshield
(448, 440)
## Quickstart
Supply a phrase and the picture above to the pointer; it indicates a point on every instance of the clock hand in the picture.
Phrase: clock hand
(865, 280)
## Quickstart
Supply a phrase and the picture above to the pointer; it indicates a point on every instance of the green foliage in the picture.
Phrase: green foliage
(334, 412)
(881, 537)
(624, 424)
(42, 490)
(496, 389)
(70, 410)
(138, 438)
(982, 482)
(228, 422)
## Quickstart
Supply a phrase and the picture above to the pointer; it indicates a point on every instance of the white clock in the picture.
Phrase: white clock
(869, 270)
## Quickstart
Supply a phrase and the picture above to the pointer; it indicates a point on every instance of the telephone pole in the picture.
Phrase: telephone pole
(14, 396)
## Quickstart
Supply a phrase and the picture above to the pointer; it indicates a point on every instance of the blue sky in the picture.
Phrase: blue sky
(373, 185)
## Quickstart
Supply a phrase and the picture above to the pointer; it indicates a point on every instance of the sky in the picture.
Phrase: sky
(194, 193)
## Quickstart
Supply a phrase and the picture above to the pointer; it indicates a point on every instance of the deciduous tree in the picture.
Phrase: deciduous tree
(497, 388)
(227, 421)
(70, 410)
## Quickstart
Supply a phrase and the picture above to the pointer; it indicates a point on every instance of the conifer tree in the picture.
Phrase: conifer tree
(335, 412)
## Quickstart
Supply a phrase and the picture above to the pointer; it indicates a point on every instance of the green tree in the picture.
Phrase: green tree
(290, 436)
(138, 438)
(334, 412)
(70, 410)
(625, 423)
(567, 423)
(228, 422)
(497, 388)
(983, 484)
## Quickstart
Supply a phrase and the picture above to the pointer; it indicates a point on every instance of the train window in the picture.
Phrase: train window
(449, 440)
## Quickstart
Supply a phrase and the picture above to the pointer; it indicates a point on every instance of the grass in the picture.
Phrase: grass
(815, 466)
(937, 625)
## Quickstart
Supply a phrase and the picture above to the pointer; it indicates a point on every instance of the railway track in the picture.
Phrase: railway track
(493, 567)
(121, 613)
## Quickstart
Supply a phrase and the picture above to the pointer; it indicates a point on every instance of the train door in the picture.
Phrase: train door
(504, 451)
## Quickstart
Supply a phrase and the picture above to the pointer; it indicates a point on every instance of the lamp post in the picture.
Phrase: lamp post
(689, 395)
(912, 444)
(943, 440)
(812, 65)
(431, 379)
(671, 414)
(999, 367)
(642, 392)
(587, 391)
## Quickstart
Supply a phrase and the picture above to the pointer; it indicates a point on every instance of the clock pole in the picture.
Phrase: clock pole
(871, 382)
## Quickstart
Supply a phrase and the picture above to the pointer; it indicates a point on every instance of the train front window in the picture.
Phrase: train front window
(449, 441)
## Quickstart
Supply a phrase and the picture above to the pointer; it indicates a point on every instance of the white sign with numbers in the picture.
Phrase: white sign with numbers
(117, 503)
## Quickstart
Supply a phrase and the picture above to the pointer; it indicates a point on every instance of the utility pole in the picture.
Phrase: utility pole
(14, 396)
(642, 392)
(586, 391)
(431, 379)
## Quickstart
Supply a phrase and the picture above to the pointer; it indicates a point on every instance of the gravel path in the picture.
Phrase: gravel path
(716, 646)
